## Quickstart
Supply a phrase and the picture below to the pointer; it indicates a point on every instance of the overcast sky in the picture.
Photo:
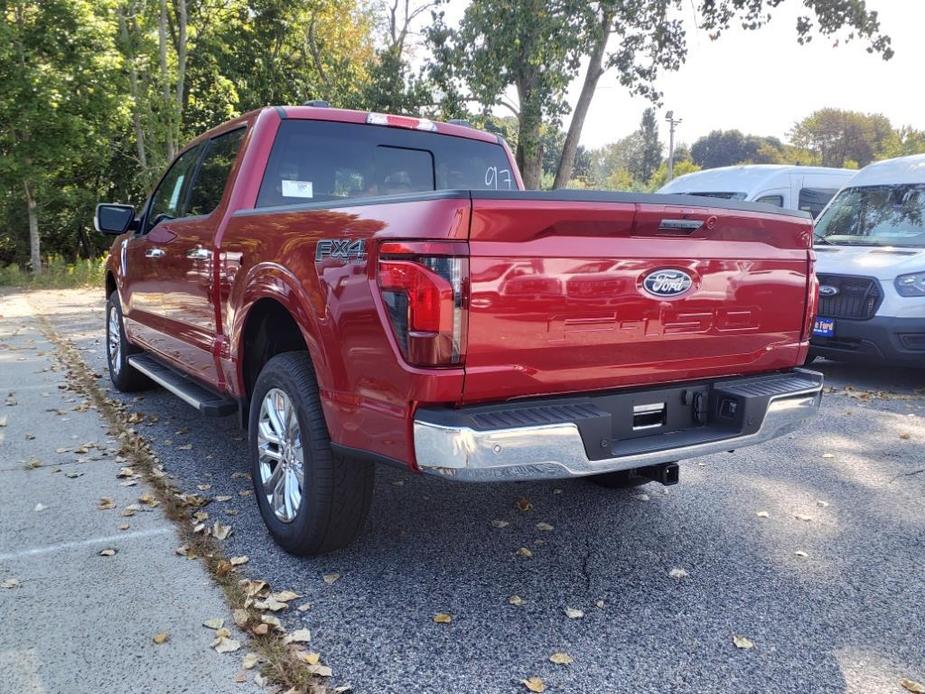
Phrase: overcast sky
(762, 82)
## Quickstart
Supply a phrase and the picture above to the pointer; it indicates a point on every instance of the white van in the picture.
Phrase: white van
(870, 260)
(806, 188)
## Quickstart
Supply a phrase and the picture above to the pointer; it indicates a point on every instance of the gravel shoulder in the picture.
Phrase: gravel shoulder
(73, 619)
(828, 585)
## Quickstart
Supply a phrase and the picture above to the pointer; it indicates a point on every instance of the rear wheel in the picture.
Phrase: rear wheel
(311, 500)
(123, 376)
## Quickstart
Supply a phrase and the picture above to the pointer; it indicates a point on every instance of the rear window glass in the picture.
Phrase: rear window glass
(318, 161)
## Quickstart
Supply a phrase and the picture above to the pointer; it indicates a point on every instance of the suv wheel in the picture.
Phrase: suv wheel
(311, 500)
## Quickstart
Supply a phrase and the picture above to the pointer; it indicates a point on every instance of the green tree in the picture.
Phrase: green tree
(645, 160)
(729, 147)
(836, 137)
(57, 108)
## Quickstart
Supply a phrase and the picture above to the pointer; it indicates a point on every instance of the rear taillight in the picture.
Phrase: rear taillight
(424, 288)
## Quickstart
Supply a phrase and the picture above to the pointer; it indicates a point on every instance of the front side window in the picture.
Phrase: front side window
(318, 161)
(885, 215)
(167, 200)
(814, 200)
(209, 185)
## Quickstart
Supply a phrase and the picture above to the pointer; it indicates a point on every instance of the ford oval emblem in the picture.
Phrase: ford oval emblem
(828, 290)
(667, 283)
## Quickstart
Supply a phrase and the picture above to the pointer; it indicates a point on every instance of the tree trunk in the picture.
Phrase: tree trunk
(35, 243)
(165, 82)
(181, 60)
(529, 137)
(592, 75)
(133, 92)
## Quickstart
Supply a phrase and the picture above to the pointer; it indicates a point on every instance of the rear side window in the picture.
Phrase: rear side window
(776, 200)
(318, 161)
(209, 184)
(813, 200)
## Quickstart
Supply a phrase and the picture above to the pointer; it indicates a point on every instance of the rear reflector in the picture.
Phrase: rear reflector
(424, 296)
(400, 121)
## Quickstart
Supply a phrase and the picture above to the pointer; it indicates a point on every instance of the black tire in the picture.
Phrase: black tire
(125, 378)
(623, 479)
(336, 492)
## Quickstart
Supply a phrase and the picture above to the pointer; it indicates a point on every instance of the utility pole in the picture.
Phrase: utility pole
(672, 122)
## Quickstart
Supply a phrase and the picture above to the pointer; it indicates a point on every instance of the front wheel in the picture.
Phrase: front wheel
(125, 378)
(311, 500)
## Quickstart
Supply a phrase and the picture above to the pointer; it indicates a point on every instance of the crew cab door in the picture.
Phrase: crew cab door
(144, 255)
(186, 317)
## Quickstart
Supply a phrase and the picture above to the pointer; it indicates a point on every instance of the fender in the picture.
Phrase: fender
(273, 281)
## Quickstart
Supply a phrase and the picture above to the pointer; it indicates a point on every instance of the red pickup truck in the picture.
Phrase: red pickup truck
(367, 289)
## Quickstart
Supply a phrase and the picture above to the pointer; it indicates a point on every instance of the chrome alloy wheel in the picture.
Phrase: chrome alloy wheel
(114, 340)
(279, 451)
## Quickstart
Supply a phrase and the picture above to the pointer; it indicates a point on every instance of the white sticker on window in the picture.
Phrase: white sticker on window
(297, 189)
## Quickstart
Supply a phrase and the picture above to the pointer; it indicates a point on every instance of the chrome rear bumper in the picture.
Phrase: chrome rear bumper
(557, 450)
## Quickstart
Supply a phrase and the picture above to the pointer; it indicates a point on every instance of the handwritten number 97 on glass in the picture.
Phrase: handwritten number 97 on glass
(496, 179)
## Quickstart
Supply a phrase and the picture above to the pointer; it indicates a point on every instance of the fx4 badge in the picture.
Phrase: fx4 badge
(344, 250)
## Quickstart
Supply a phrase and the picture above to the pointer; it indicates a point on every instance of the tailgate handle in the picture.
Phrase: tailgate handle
(650, 416)
(680, 226)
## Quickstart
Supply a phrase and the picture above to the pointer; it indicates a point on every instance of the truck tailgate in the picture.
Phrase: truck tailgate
(571, 295)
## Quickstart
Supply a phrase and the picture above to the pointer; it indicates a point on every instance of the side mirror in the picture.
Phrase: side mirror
(113, 218)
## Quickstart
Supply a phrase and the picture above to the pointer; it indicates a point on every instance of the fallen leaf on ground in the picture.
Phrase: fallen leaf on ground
(39, 507)
(443, 618)
(124, 526)
(238, 561)
(203, 487)
(148, 500)
(742, 642)
(215, 623)
(524, 552)
(561, 659)
(161, 638)
(285, 596)
(828, 455)
(821, 503)
(106, 503)
(271, 620)
(225, 645)
(904, 436)
(523, 504)
(304, 607)
(261, 629)
(573, 613)
(220, 531)
(641, 497)
(534, 684)
(800, 553)
(544, 526)
(600, 604)
(240, 617)
(298, 636)
(500, 523)
(109, 552)
(912, 686)
(516, 600)
(253, 588)
(802, 517)
(250, 661)
(2, 421)
(10, 583)
(223, 498)
(240, 677)
(330, 578)
(678, 573)
(320, 670)
(763, 514)
(270, 604)
(311, 657)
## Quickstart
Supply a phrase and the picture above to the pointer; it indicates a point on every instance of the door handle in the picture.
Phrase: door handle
(155, 253)
(199, 254)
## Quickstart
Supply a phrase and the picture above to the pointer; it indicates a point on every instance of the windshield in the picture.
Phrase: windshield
(888, 215)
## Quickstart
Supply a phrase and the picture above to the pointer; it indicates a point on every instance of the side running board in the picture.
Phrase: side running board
(206, 401)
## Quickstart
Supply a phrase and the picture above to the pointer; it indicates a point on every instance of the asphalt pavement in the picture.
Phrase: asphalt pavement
(810, 547)
(72, 619)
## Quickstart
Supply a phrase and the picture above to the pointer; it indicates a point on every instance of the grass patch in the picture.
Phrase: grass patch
(282, 664)
(57, 274)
